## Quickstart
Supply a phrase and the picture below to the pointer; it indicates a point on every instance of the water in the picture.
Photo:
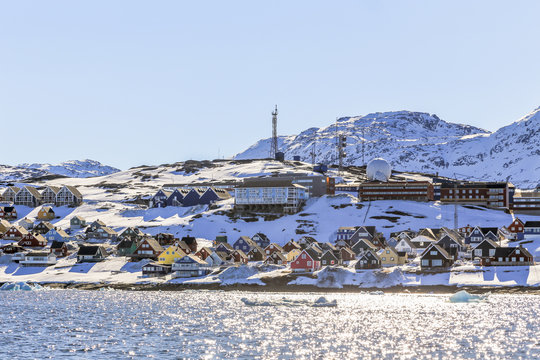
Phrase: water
(210, 324)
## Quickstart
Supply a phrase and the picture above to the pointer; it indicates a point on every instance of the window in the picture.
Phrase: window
(425, 262)
(309, 263)
(391, 259)
(517, 251)
(324, 262)
(383, 259)
(437, 262)
(433, 252)
(521, 259)
(491, 252)
(303, 256)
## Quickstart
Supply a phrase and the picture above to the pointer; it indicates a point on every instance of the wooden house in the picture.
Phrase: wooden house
(9, 194)
(305, 241)
(126, 247)
(478, 234)
(155, 269)
(15, 233)
(406, 246)
(159, 200)
(203, 253)
(484, 250)
(26, 223)
(46, 213)
(261, 240)
(28, 196)
(346, 254)
(165, 239)
(307, 260)
(131, 233)
(224, 248)
(43, 227)
(345, 233)
(193, 197)
(435, 257)
(256, 254)
(30, 240)
(4, 226)
(170, 255)
(176, 198)
(517, 227)
(363, 245)
(77, 222)
(191, 242)
(101, 233)
(244, 243)
(453, 245)
(190, 266)
(38, 258)
(59, 249)
(276, 258)
(8, 212)
(368, 260)
(148, 248)
(91, 253)
(363, 232)
(97, 224)
(56, 234)
(182, 245)
(211, 195)
(239, 257)
(391, 257)
(272, 248)
(12, 248)
(510, 256)
(292, 255)
(328, 258)
(421, 243)
(48, 196)
(69, 196)
(291, 245)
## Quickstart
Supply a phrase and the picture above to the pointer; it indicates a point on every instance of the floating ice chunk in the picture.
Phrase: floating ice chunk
(464, 297)
(20, 286)
(378, 292)
(320, 302)
(323, 302)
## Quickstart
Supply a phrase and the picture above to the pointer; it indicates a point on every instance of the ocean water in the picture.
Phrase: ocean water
(215, 324)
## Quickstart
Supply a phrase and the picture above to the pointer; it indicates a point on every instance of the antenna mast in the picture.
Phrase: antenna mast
(363, 149)
(274, 144)
(340, 144)
(313, 154)
(455, 204)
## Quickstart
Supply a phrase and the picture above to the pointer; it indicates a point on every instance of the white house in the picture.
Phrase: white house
(38, 258)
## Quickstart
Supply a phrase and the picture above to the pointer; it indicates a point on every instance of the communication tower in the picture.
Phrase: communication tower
(274, 144)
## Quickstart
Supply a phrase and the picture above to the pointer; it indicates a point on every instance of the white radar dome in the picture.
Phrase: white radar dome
(378, 170)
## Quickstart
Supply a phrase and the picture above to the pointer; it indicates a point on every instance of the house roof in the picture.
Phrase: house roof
(57, 244)
(241, 253)
(74, 191)
(32, 190)
(54, 189)
(261, 235)
(532, 224)
(248, 241)
(365, 241)
(507, 251)
(313, 254)
(439, 249)
(126, 243)
(279, 248)
(373, 253)
(154, 244)
(489, 241)
(486, 230)
(88, 249)
(38, 253)
(277, 255)
(256, 249)
(46, 224)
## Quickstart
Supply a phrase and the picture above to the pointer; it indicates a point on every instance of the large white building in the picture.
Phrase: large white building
(270, 195)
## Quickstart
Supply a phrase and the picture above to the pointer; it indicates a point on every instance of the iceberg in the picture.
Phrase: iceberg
(20, 286)
(320, 302)
(464, 297)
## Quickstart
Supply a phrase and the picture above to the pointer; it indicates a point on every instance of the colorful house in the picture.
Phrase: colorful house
(308, 260)
(33, 241)
(126, 247)
(8, 212)
(149, 248)
(170, 255)
(517, 227)
(368, 260)
(77, 222)
(155, 269)
(256, 254)
(56, 234)
(435, 257)
(190, 266)
(43, 227)
(59, 249)
(276, 258)
(328, 258)
(391, 257)
(92, 253)
(261, 240)
(244, 243)
(293, 254)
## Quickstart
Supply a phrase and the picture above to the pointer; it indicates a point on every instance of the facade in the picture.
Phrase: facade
(56, 234)
(391, 257)
(484, 250)
(159, 200)
(478, 234)
(276, 258)
(396, 190)
(126, 247)
(345, 232)
(261, 240)
(272, 248)
(270, 195)
(149, 248)
(15, 233)
(69, 196)
(256, 254)
(363, 245)
(28, 196)
(244, 243)
(46, 213)
(93, 253)
(43, 227)
(59, 249)
(38, 258)
(77, 222)
(368, 260)
(510, 256)
(531, 228)
(8, 212)
(524, 200)
(307, 260)
(154, 269)
(9, 194)
(329, 259)
(48, 196)
(491, 194)
(190, 266)
(435, 257)
(170, 255)
(33, 241)
(517, 227)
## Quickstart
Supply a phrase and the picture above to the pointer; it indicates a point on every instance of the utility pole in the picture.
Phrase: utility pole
(313, 154)
(274, 144)
(363, 148)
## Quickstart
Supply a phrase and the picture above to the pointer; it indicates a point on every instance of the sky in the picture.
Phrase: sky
(152, 82)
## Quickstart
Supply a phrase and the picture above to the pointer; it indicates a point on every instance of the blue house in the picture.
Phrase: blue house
(479, 234)
(177, 197)
(244, 243)
(56, 235)
(159, 200)
(193, 197)
(261, 240)
(212, 194)
(531, 228)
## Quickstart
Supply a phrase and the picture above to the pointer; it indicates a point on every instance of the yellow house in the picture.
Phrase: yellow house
(46, 213)
(293, 254)
(170, 254)
(4, 226)
(390, 257)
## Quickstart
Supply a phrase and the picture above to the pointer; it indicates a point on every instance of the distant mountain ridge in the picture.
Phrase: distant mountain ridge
(421, 142)
(72, 168)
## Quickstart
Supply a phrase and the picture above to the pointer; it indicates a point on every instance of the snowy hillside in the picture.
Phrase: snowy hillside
(72, 168)
(421, 142)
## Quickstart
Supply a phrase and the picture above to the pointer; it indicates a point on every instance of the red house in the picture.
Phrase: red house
(8, 212)
(517, 226)
(33, 241)
(272, 248)
(239, 257)
(148, 248)
(347, 254)
(59, 249)
(291, 245)
(308, 260)
(15, 233)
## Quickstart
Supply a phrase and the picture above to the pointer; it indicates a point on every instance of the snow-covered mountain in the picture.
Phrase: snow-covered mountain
(72, 168)
(421, 142)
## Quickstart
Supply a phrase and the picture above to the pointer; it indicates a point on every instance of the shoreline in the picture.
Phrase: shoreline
(420, 289)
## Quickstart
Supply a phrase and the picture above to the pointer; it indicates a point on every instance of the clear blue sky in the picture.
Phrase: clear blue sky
(151, 82)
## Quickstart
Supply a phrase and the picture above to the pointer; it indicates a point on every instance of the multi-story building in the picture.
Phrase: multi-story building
(492, 194)
(270, 195)
(396, 190)
(526, 200)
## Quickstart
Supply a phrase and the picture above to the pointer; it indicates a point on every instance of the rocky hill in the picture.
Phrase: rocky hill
(414, 141)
